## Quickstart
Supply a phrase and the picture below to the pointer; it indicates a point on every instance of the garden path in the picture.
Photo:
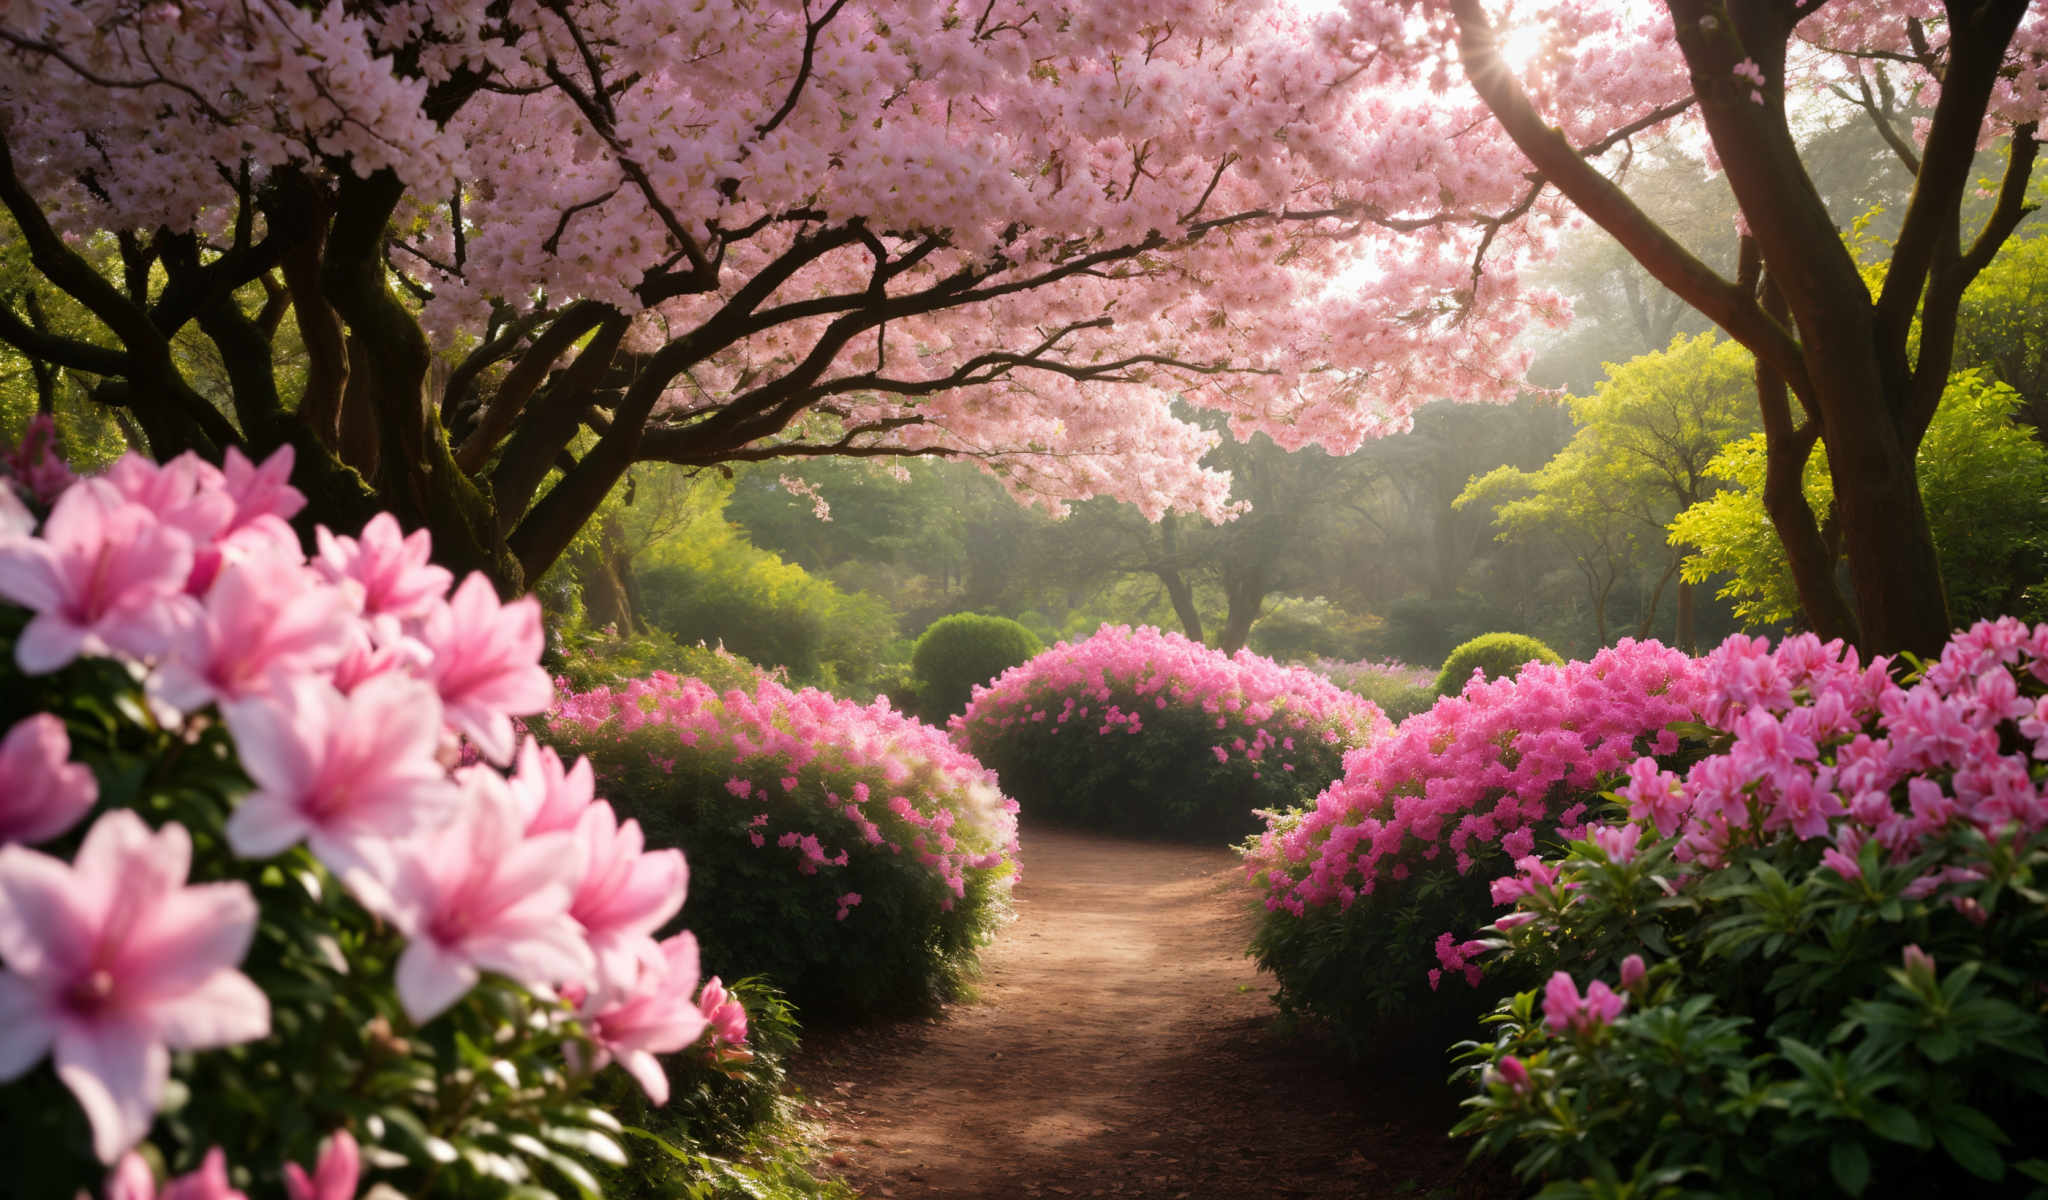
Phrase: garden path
(1119, 1046)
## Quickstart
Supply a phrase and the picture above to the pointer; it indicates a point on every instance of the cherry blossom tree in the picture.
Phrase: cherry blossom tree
(1851, 366)
(526, 244)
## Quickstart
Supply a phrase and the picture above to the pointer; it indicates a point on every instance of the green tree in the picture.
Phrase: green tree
(1641, 453)
(1985, 479)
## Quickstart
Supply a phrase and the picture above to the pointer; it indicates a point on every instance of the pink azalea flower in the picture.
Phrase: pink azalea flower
(334, 1177)
(1564, 1010)
(258, 622)
(723, 1012)
(1514, 1073)
(653, 1016)
(184, 493)
(1618, 842)
(486, 664)
(627, 892)
(389, 568)
(475, 896)
(35, 463)
(260, 490)
(1632, 972)
(42, 794)
(553, 799)
(105, 575)
(131, 1180)
(349, 775)
(113, 962)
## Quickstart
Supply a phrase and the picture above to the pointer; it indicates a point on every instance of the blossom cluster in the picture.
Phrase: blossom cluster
(1480, 774)
(908, 790)
(1111, 683)
(1824, 748)
(347, 682)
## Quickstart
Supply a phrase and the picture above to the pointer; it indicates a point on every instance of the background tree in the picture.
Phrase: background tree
(1646, 437)
(1986, 482)
(1840, 364)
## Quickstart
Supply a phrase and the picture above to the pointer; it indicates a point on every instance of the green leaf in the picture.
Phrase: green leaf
(1850, 1166)
(1975, 1154)
(1895, 1124)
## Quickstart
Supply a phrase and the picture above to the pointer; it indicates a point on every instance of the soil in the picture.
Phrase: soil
(1120, 1044)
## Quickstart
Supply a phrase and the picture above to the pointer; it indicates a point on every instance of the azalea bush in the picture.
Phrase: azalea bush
(1135, 730)
(1826, 940)
(1370, 890)
(874, 856)
(253, 918)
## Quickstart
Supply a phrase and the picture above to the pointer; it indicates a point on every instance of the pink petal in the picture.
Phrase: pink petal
(117, 1072)
(25, 1030)
(44, 921)
(225, 1010)
(430, 979)
(646, 1070)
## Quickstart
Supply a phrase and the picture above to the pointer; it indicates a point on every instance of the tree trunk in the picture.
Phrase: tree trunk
(1182, 593)
(1243, 597)
(1688, 638)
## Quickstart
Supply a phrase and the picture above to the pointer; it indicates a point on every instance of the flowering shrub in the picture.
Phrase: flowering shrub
(1138, 730)
(875, 856)
(1832, 932)
(1366, 886)
(1400, 690)
(250, 918)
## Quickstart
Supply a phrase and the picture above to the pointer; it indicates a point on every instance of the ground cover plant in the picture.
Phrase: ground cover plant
(1136, 730)
(875, 855)
(1390, 865)
(253, 918)
(1826, 941)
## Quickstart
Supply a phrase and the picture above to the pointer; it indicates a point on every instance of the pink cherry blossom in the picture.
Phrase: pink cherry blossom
(334, 1176)
(475, 896)
(104, 575)
(652, 1015)
(42, 793)
(16, 521)
(113, 962)
(486, 664)
(350, 775)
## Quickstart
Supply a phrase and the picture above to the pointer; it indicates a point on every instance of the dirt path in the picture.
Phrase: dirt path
(1119, 1047)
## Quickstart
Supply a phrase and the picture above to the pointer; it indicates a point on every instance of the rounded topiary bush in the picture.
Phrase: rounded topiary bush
(958, 653)
(1140, 731)
(1498, 655)
(1370, 890)
(859, 857)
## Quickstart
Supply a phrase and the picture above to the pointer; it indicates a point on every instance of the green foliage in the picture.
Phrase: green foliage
(1294, 629)
(1423, 629)
(1788, 1042)
(1498, 655)
(1983, 479)
(717, 588)
(956, 654)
